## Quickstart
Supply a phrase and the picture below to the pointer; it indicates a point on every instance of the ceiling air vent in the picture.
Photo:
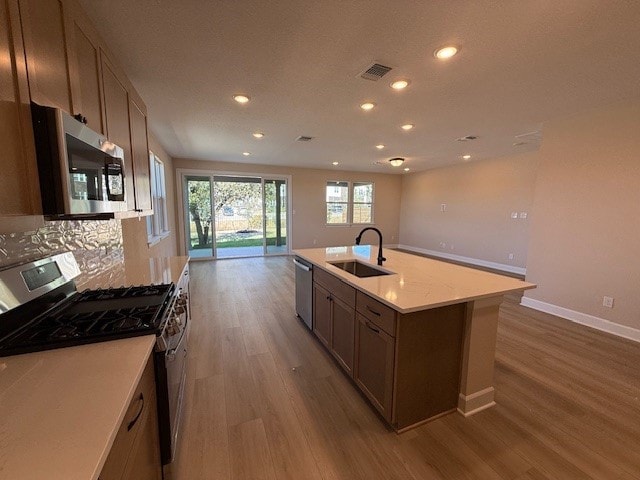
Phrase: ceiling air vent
(375, 72)
(303, 138)
(466, 138)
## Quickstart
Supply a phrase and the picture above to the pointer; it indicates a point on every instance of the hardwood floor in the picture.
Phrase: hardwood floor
(264, 400)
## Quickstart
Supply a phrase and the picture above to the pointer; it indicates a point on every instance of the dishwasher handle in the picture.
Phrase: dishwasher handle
(301, 265)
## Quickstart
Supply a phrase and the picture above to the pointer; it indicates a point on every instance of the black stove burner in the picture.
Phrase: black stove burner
(94, 316)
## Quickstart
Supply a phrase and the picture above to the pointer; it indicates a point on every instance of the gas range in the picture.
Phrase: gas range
(62, 316)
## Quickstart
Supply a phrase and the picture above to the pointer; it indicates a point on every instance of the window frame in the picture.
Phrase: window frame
(158, 221)
(350, 202)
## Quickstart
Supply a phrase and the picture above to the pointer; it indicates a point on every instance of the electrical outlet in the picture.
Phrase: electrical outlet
(514, 215)
(607, 302)
(511, 256)
(443, 245)
(451, 247)
(315, 241)
(443, 207)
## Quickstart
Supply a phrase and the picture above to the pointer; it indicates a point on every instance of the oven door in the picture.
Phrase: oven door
(170, 383)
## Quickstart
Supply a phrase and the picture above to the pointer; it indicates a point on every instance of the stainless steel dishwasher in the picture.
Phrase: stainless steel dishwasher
(304, 291)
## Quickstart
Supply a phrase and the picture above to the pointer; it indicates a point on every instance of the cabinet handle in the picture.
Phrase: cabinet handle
(371, 328)
(372, 311)
(329, 298)
(133, 422)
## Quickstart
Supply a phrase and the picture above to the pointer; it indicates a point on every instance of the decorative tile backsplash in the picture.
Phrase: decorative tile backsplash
(96, 244)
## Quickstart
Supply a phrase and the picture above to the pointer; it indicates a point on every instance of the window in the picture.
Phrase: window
(157, 224)
(349, 203)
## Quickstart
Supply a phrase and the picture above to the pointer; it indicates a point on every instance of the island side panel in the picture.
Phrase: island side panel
(478, 355)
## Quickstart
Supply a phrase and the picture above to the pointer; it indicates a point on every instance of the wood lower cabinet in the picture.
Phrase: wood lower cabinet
(407, 365)
(322, 315)
(374, 365)
(135, 453)
(334, 325)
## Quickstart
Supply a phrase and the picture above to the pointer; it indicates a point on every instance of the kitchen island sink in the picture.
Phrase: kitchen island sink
(359, 269)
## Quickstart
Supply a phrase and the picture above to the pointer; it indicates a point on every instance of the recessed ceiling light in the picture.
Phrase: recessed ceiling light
(380, 146)
(446, 52)
(466, 157)
(397, 161)
(241, 98)
(400, 84)
(246, 154)
(367, 106)
(407, 126)
(335, 163)
(407, 169)
(258, 134)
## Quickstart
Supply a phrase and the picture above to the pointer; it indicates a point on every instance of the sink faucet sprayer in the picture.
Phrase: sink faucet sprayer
(359, 237)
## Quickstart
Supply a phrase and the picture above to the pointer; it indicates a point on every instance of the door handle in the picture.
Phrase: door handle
(133, 422)
(302, 266)
(371, 328)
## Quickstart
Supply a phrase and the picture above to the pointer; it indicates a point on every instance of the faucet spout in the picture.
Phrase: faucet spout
(359, 238)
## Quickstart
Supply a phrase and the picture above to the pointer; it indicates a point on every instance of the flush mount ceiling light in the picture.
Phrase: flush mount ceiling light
(335, 163)
(446, 52)
(246, 154)
(400, 84)
(367, 106)
(241, 98)
(407, 169)
(466, 157)
(396, 162)
(258, 134)
(380, 146)
(407, 126)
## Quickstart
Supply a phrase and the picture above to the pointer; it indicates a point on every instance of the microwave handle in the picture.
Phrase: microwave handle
(119, 162)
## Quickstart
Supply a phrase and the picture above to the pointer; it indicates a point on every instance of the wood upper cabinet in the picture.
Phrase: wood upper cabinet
(116, 105)
(135, 453)
(140, 153)
(19, 187)
(85, 69)
(44, 32)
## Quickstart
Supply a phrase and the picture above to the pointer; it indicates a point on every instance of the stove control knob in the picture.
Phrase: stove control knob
(179, 309)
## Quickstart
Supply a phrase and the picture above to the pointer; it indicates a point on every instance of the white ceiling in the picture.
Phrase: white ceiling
(521, 63)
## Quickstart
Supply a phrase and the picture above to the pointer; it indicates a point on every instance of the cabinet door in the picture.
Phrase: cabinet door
(374, 365)
(140, 153)
(135, 453)
(343, 334)
(322, 314)
(43, 26)
(19, 190)
(86, 87)
(116, 103)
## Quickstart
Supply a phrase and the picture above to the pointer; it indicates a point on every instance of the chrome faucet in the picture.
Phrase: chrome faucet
(359, 237)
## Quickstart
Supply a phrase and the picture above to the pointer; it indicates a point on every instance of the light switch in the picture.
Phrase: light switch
(514, 214)
(443, 207)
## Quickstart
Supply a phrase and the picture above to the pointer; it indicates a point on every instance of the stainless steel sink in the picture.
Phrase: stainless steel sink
(359, 269)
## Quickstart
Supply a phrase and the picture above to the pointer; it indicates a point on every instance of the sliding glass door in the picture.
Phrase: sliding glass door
(235, 216)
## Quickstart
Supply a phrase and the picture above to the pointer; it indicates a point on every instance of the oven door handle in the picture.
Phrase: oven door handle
(171, 354)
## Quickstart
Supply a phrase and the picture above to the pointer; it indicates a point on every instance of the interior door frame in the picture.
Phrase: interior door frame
(181, 197)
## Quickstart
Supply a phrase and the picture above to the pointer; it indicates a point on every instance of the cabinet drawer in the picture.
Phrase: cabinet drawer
(376, 312)
(134, 419)
(337, 287)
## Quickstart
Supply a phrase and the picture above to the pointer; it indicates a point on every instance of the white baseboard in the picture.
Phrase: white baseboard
(583, 319)
(469, 260)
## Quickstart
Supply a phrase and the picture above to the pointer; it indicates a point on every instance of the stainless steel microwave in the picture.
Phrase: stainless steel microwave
(81, 172)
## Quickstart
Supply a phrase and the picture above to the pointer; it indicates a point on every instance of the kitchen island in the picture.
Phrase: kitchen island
(419, 340)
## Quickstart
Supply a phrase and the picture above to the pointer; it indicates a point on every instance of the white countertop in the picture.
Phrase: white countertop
(60, 410)
(417, 283)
